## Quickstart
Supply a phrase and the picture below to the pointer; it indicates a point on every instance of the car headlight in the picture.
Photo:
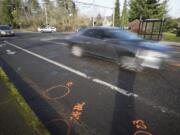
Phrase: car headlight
(3, 32)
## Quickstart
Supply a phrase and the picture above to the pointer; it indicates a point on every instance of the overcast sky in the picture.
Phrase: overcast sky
(173, 7)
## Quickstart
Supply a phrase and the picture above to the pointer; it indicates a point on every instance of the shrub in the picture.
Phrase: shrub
(178, 32)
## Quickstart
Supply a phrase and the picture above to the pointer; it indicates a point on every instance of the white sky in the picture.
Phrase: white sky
(173, 7)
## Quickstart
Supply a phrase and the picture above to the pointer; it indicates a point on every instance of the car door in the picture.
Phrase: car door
(94, 41)
(109, 45)
(88, 41)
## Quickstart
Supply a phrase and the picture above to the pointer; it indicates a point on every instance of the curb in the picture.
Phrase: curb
(171, 43)
(27, 113)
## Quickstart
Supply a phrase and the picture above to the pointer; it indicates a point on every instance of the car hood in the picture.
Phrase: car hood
(6, 30)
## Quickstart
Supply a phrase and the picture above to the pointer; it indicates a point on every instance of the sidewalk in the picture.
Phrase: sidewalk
(11, 121)
(171, 43)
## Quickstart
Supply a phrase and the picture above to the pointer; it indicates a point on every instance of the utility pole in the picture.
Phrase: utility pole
(93, 4)
(46, 14)
(113, 13)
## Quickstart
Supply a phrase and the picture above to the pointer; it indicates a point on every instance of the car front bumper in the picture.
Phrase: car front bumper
(152, 59)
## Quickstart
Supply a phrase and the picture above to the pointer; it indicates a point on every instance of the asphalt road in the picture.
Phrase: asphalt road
(89, 96)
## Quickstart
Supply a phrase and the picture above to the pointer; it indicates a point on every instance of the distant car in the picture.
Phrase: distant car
(126, 48)
(6, 30)
(47, 29)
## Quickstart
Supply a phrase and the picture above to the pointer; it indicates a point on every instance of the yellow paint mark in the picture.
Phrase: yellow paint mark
(177, 64)
(174, 63)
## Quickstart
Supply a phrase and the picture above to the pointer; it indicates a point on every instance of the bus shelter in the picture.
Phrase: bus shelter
(151, 29)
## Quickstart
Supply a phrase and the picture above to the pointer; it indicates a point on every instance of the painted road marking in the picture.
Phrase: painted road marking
(112, 87)
(64, 44)
(176, 64)
(2, 45)
(9, 52)
(48, 38)
(98, 81)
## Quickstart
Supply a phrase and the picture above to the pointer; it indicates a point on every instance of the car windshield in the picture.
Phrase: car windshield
(5, 28)
(124, 35)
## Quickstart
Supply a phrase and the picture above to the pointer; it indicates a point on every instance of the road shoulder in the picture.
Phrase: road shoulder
(16, 116)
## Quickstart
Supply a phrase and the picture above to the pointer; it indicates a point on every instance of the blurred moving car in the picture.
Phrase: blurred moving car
(47, 29)
(126, 48)
(6, 30)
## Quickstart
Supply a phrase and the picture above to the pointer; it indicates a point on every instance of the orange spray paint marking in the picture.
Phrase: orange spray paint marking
(47, 91)
(77, 111)
(139, 124)
(142, 133)
(69, 84)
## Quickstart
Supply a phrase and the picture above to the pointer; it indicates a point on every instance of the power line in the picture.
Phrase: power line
(93, 4)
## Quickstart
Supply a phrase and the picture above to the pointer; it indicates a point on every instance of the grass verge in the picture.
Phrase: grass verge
(170, 37)
(27, 113)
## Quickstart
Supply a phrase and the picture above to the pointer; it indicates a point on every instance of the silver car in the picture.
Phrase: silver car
(6, 30)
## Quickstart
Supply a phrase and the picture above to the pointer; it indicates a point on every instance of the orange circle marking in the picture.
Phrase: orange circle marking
(142, 133)
(68, 124)
(45, 93)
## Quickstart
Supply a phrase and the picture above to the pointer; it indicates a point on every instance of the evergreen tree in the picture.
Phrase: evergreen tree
(124, 17)
(147, 9)
(117, 14)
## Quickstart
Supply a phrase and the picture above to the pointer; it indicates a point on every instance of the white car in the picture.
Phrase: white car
(47, 29)
(5, 30)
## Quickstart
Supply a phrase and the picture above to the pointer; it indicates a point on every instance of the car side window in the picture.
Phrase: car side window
(89, 33)
(108, 35)
(95, 33)
(99, 34)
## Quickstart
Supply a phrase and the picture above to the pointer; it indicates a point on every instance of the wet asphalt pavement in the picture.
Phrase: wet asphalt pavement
(89, 96)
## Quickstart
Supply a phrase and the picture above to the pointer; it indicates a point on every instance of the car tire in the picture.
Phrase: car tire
(77, 51)
(131, 63)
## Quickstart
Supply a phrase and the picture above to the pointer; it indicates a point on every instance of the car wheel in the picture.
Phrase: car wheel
(77, 51)
(131, 63)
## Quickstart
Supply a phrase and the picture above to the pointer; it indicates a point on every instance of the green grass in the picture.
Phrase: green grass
(27, 113)
(170, 37)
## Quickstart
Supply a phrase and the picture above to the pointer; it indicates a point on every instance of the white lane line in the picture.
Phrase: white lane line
(112, 87)
(124, 92)
(64, 44)
(98, 81)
